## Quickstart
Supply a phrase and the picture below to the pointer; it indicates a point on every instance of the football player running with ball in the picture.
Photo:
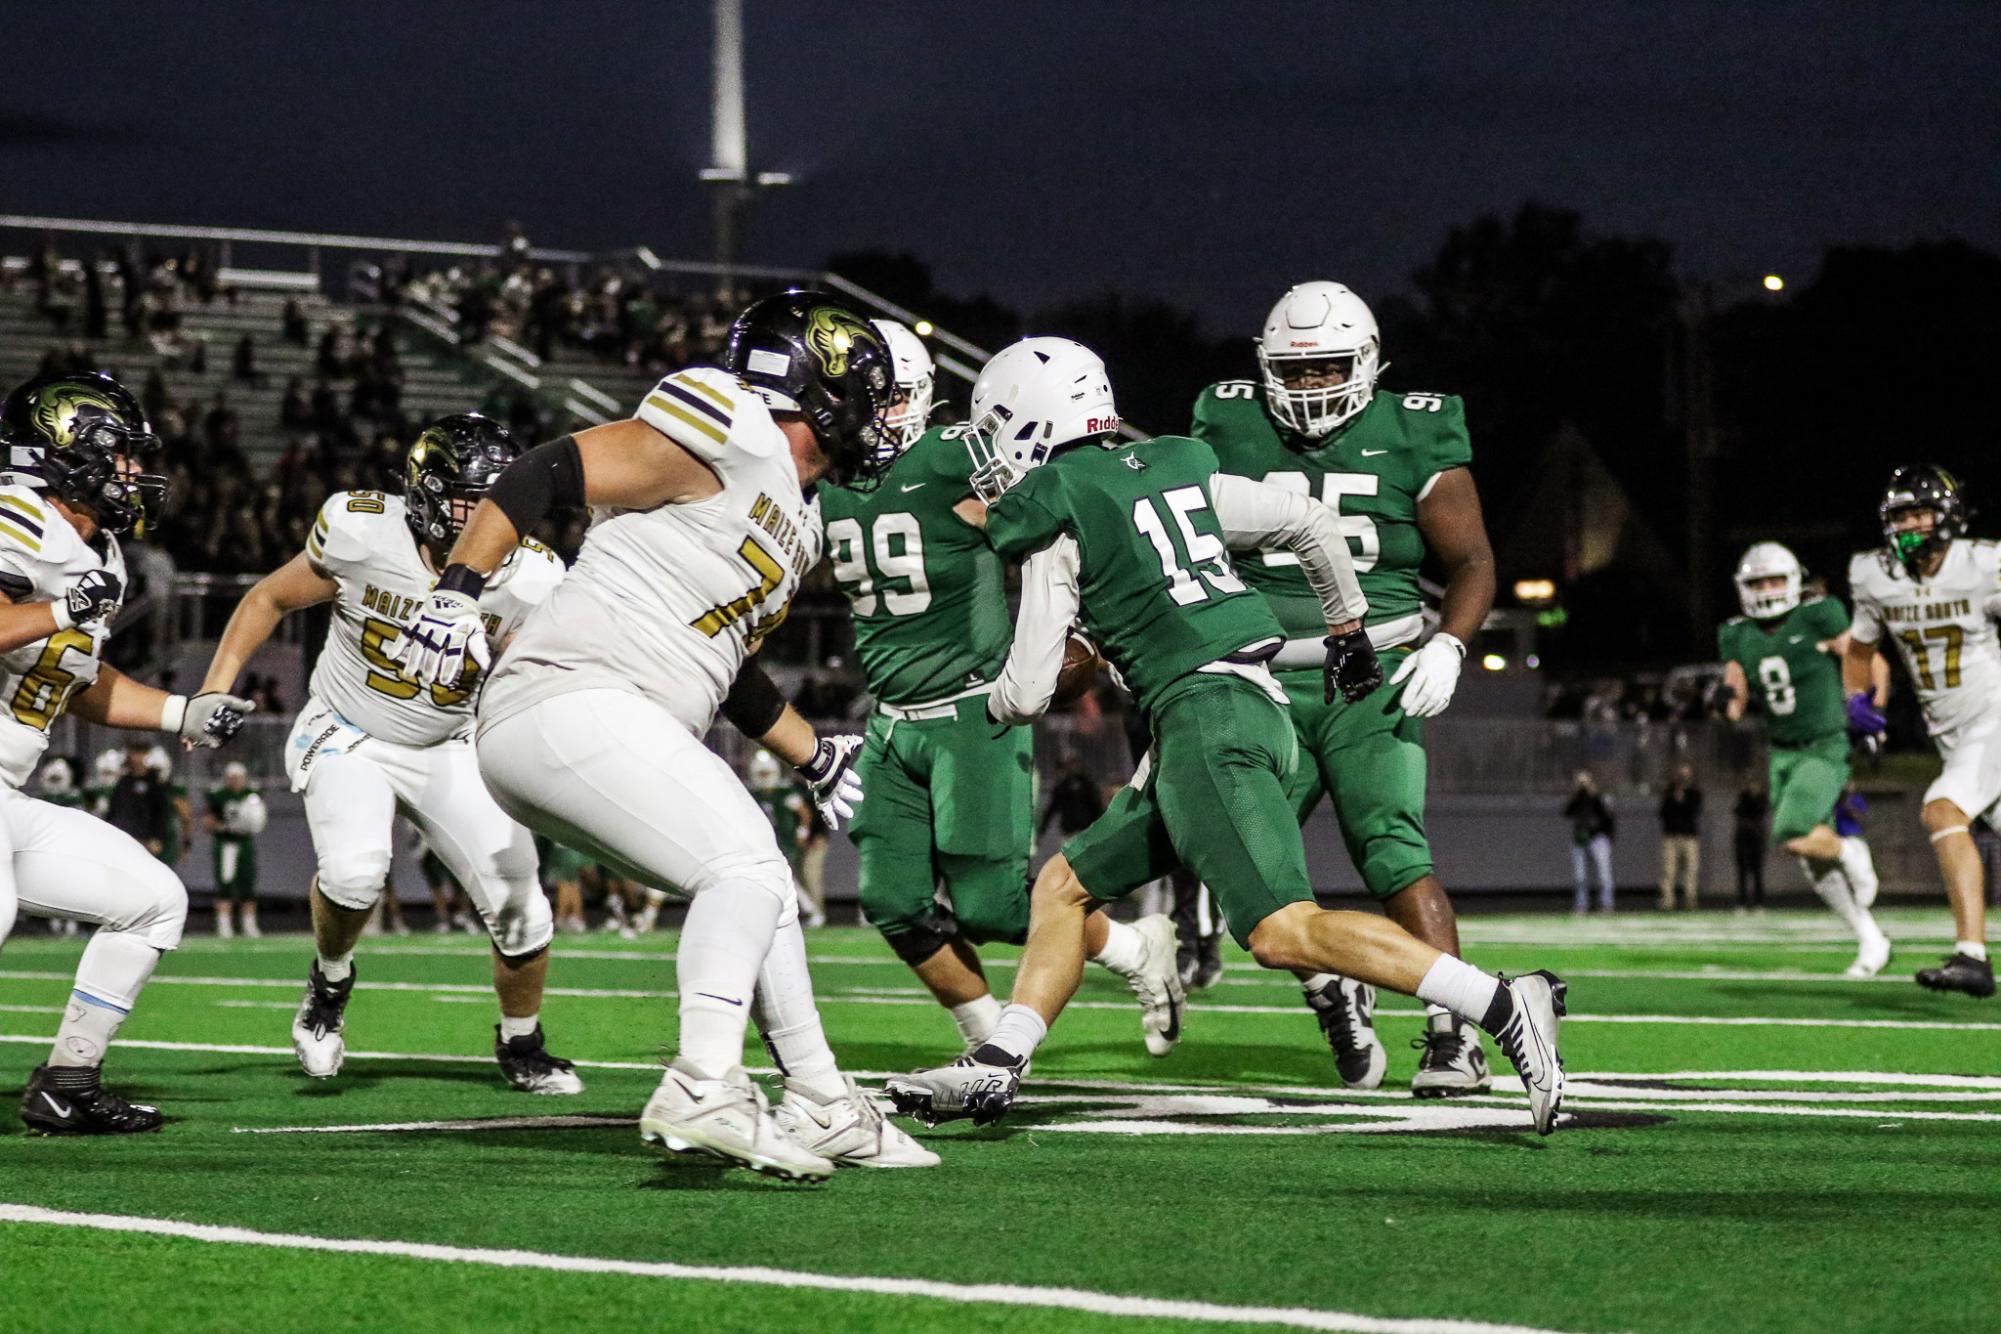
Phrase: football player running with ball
(1394, 471)
(950, 794)
(591, 728)
(69, 485)
(372, 743)
(1782, 654)
(1133, 538)
(1937, 593)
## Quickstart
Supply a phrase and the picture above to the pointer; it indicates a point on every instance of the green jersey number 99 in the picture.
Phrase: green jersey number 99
(889, 561)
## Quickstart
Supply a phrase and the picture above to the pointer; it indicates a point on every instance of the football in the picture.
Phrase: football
(1080, 670)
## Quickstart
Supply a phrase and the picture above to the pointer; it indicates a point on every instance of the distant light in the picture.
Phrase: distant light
(924, 328)
(1533, 661)
(1535, 592)
(774, 178)
(1774, 283)
(1494, 662)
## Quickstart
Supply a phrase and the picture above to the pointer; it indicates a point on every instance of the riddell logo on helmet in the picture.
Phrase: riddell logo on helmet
(1104, 424)
(1304, 342)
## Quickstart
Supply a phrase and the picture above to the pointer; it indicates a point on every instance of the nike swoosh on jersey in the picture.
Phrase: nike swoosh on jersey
(1371, 453)
(912, 486)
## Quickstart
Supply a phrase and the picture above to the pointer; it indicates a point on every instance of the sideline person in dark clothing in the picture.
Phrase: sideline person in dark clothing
(1748, 842)
(1074, 802)
(1681, 838)
(141, 804)
(1591, 830)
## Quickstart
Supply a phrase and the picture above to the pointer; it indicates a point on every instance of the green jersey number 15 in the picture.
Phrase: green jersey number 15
(1203, 551)
(896, 545)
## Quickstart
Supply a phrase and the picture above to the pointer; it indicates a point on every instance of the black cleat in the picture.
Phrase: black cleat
(529, 1067)
(1346, 1011)
(92, 1109)
(1961, 972)
(316, 1029)
(1451, 1063)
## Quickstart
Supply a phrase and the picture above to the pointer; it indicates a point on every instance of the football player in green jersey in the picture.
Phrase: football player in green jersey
(1133, 540)
(236, 815)
(1784, 653)
(951, 800)
(1393, 470)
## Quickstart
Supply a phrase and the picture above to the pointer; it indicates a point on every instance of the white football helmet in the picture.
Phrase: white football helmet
(56, 778)
(765, 771)
(107, 766)
(1314, 323)
(159, 763)
(1768, 560)
(250, 816)
(916, 376)
(1034, 396)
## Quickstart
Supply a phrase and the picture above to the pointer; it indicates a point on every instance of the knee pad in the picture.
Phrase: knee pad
(353, 877)
(919, 938)
(522, 960)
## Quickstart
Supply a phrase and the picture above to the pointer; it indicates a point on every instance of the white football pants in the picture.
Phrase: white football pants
(57, 861)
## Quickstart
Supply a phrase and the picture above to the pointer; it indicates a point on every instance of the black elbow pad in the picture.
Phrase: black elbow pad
(753, 705)
(547, 477)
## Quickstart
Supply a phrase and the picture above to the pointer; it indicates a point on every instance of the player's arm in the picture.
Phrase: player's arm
(94, 596)
(755, 707)
(116, 700)
(1254, 514)
(1739, 686)
(1050, 600)
(293, 586)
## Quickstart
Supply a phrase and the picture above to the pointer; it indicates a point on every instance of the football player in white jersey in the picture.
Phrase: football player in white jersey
(1937, 593)
(70, 484)
(371, 742)
(591, 728)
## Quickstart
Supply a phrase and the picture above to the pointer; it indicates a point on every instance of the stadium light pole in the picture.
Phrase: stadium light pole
(728, 174)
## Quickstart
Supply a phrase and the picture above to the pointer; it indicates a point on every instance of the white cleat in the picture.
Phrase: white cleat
(725, 1118)
(1157, 983)
(1529, 1040)
(1450, 1064)
(849, 1130)
(316, 1029)
(1869, 961)
(965, 1089)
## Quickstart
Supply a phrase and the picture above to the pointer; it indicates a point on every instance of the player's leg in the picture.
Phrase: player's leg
(223, 856)
(351, 814)
(614, 775)
(1806, 783)
(1969, 785)
(62, 863)
(494, 859)
(244, 889)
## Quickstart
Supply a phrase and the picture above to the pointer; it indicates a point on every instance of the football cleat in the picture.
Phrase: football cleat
(1157, 983)
(1451, 1063)
(1875, 952)
(529, 1067)
(849, 1131)
(1529, 1040)
(316, 1028)
(1346, 1011)
(1961, 972)
(50, 1109)
(725, 1118)
(964, 1089)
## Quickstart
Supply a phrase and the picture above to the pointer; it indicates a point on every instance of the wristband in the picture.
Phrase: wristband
(462, 579)
(173, 713)
(61, 608)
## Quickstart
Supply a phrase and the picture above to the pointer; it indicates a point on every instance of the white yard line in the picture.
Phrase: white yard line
(994, 1294)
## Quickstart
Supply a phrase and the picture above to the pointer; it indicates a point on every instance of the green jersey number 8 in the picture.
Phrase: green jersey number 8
(1205, 552)
(1776, 680)
(897, 547)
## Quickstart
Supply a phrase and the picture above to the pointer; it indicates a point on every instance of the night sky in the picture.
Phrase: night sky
(1207, 154)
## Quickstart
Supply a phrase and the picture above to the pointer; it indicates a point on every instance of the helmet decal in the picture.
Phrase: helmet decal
(831, 334)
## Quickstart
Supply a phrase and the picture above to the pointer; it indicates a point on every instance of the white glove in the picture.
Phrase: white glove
(836, 787)
(1433, 674)
(434, 647)
(208, 720)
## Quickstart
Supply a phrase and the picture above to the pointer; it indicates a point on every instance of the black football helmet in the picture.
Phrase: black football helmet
(1923, 486)
(454, 459)
(814, 354)
(75, 434)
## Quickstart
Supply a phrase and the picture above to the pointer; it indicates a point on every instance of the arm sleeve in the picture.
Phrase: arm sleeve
(1256, 515)
(1867, 627)
(1049, 602)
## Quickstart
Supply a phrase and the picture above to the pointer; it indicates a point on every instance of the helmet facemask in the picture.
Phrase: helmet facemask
(1322, 408)
(99, 470)
(450, 468)
(1770, 581)
(1914, 492)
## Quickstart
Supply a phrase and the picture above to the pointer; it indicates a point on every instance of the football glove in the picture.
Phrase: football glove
(92, 598)
(1433, 674)
(434, 647)
(1864, 718)
(208, 720)
(830, 775)
(1352, 670)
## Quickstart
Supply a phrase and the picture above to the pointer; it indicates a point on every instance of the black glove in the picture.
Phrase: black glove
(93, 597)
(1352, 670)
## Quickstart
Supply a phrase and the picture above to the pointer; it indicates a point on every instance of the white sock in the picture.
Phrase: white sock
(976, 1019)
(336, 967)
(1461, 988)
(1319, 982)
(1123, 949)
(109, 978)
(1019, 1032)
(1856, 861)
(1972, 949)
(511, 1027)
(723, 945)
(1834, 890)
(789, 1017)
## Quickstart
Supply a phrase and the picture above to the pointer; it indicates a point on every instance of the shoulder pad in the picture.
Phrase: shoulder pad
(710, 413)
(351, 525)
(533, 571)
(25, 523)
